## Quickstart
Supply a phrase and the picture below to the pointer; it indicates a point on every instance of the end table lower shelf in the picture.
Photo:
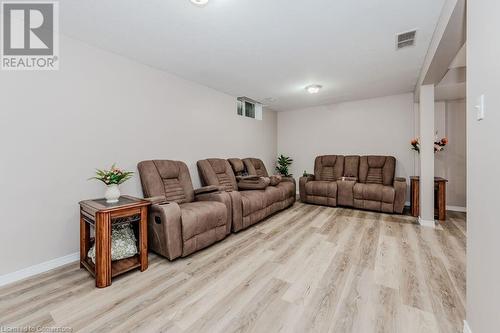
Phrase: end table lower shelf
(101, 216)
(117, 266)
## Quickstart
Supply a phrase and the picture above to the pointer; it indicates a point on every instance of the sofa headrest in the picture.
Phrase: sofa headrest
(168, 169)
(328, 167)
(255, 166)
(237, 165)
(167, 178)
(218, 164)
(329, 160)
(351, 166)
(377, 169)
(218, 172)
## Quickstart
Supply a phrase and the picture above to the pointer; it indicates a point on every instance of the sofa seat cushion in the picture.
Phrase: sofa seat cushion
(253, 200)
(201, 216)
(288, 189)
(273, 195)
(322, 188)
(374, 192)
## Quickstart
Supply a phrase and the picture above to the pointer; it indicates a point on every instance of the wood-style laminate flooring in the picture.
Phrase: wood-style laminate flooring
(306, 269)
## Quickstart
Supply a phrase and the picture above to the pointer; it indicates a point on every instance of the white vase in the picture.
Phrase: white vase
(112, 193)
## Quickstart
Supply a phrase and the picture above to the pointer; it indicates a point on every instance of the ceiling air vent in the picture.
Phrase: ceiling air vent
(405, 39)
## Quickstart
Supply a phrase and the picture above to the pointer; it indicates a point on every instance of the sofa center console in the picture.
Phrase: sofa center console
(345, 188)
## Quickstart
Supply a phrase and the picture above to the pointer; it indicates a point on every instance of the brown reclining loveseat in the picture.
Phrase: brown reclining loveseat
(248, 206)
(182, 220)
(364, 182)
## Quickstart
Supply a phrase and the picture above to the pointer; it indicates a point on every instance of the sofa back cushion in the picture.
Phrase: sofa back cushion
(328, 167)
(351, 166)
(238, 166)
(377, 170)
(166, 178)
(218, 172)
(255, 167)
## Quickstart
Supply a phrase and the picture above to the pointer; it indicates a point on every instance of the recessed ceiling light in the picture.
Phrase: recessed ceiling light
(200, 2)
(313, 88)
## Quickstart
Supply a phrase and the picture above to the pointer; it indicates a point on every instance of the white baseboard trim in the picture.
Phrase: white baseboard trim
(37, 269)
(457, 209)
(467, 327)
(426, 223)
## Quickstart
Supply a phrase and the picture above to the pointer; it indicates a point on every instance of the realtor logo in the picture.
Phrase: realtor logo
(29, 34)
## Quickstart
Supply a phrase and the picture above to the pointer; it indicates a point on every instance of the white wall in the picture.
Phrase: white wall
(100, 108)
(451, 162)
(483, 160)
(379, 126)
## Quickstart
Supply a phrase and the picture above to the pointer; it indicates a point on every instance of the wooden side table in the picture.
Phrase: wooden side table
(101, 215)
(439, 197)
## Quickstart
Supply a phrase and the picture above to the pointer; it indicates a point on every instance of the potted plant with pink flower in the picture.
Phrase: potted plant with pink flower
(112, 178)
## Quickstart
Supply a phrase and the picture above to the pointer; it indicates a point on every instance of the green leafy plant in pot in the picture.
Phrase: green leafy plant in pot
(282, 165)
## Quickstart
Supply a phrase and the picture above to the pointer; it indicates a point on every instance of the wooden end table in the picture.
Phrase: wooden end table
(439, 197)
(100, 215)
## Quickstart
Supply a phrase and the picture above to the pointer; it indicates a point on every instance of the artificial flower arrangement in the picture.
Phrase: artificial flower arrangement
(112, 178)
(438, 144)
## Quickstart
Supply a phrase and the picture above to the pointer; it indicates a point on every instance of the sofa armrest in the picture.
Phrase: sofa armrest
(165, 229)
(274, 180)
(302, 186)
(206, 189)
(287, 179)
(400, 194)
(219, 196)
(158, 200)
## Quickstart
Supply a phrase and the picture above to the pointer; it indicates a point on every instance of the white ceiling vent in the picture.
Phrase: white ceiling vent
(405, 39)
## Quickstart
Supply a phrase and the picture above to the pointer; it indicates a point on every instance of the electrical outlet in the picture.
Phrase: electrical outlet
(480, 108)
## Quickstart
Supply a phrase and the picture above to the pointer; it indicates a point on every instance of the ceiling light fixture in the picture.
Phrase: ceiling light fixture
(313, 88)
(199, 3)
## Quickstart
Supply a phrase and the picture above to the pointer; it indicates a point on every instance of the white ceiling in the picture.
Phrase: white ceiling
(266, 48)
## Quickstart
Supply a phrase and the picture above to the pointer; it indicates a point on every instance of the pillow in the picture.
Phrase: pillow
(275, 180)
(123, 243)
(253, 183)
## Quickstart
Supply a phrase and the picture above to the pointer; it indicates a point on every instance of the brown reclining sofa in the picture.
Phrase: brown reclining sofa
(364, 182)
(182, 220)
(248, 206)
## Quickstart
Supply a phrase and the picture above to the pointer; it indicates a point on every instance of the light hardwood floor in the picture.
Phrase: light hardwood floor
(307, 269)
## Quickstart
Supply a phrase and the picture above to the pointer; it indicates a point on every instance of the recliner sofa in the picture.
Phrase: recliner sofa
(182, 220)
(248, 206)
(364, 182)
